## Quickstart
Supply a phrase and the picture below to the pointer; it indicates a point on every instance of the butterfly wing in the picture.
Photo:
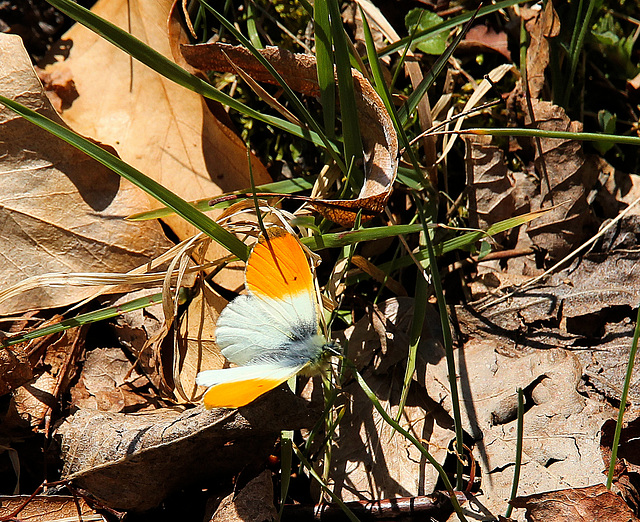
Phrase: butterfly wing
(278, 317)
(236, 387)
(272, 332)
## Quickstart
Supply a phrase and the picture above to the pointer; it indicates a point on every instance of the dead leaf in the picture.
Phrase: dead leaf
(590, 504)
(541, 26)
(162, 129)
(108, 383)
(560, 425)
(102, 450)
(15, 369)
(572, 174)
(197, 341)
(253, 502)
(490, 184)
(48, 508)
(481, 38)
(299, 71)
(62, 211)
(370, 461)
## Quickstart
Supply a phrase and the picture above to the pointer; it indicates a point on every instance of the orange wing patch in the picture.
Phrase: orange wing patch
(278, 267)
(238, 393)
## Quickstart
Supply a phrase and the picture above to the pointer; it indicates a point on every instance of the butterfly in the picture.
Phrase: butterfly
(271, 333)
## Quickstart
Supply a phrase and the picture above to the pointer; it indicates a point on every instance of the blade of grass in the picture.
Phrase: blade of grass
(561, 135)
(252, 27)
(348, 109)
(404, 113)
(448, 343)
(150, 186)
(348, 513)
(324, 65)
(89, 318)
(286, 462)
(383, 91)
(162, 65)
(287, 186)
(576, 48)
(623, 402)
(518, 463)
(386, 417)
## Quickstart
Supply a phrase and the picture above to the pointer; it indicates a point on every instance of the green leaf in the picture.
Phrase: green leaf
(425, 20)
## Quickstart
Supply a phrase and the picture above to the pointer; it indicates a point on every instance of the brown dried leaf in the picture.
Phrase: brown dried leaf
(490, 184)
(299, 71)
(370, 460)
(197, 341)
(48, 508)
(61, 210)
(253, 502)
(15, 369)
(481, 38)
(591, 504)
(102, 451)
(107, 382)
(162, 129)
(541, 26)
(571, 177)
(560, 425)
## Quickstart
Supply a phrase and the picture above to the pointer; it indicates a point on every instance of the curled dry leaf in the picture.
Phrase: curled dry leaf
(102, 451)
(159, 127)
(299, 71)
(591, 504)
(541, 26)
(61, 211)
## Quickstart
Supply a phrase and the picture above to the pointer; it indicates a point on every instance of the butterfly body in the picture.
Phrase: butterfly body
(271, 333)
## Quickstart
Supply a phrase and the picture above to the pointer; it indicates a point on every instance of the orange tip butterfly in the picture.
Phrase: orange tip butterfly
(271, 333)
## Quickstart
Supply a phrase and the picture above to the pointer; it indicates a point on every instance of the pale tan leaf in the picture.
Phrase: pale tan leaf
(60, 211)
(160, 128)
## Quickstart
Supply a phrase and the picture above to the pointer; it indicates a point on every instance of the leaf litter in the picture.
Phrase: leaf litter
(565, 342)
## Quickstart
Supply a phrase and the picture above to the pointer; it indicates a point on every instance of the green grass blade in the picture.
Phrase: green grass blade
(348, 109)
(518, 463)
(443, 474)
(324, 65)
(448, 343)
(623, 402)
(89, 318)
(156, 61)
(561, 135)
(348, 513)
(286, 186)
(150, 186)
(404, 113)
(252, 27)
